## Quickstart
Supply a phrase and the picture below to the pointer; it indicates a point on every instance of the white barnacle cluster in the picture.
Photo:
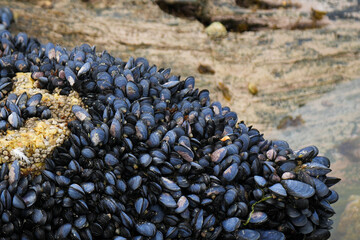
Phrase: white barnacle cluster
(37, 138)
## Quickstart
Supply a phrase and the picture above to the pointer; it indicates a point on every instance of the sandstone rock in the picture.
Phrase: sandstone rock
(349, 225)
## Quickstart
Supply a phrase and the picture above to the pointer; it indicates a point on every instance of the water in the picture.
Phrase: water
(332, 123)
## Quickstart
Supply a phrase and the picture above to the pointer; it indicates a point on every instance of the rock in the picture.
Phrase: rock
(252, 88)
(216, 30)
(349, 225)
(281, 62)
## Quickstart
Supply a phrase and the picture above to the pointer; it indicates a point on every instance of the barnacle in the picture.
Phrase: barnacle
(34, 141)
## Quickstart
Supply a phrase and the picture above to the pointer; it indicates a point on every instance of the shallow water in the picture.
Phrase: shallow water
(332, 123)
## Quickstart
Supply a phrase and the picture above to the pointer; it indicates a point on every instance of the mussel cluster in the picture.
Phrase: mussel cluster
(150, 157)
(16, 109)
